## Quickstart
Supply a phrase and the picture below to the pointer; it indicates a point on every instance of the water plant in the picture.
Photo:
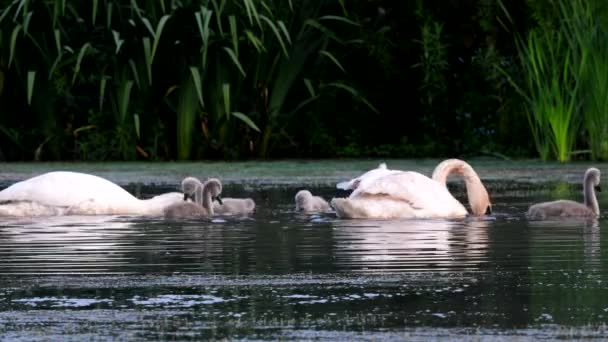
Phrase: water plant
(550, 88)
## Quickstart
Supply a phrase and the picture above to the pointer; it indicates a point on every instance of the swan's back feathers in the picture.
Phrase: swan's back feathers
(65, 188)
(559, 208)
(234, 206)
(185, 210)
(366, 178)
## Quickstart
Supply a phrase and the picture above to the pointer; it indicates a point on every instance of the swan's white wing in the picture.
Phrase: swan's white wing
(419, 191)
(64, 188)
(366, 178)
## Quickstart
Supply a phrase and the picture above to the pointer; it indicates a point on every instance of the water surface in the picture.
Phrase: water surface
(283, 275)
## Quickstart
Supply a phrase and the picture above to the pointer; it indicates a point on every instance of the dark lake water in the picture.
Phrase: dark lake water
(283, 275)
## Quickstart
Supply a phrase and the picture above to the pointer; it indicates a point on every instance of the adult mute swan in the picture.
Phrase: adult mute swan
(75, 193)
(306, 202)
(566, 208)
(227, 206)
(409, 194)
(203, 207)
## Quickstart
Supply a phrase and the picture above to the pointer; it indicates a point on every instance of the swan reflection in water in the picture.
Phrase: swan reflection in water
(65, 244)
(439, 244)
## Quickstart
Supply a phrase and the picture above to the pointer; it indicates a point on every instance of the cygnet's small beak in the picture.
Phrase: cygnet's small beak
(598, 188)
(186, 197)
(489, 210)
(218, 199)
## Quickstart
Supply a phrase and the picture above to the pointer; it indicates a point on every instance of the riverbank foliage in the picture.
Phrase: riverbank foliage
(249, 79)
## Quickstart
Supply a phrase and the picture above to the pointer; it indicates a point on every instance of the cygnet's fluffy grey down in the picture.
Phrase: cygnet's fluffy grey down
(306, 202)
(203, 205)
(234, 206)
(566, 208)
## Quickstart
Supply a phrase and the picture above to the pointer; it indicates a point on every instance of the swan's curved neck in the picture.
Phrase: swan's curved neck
(207, 199)
(589, 195)
(476, 192)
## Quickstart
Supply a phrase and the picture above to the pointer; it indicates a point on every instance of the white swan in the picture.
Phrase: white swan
(203, 207)
(566, 208)
(75, 193)
(226, 206)
(306, 202)
(409, 194)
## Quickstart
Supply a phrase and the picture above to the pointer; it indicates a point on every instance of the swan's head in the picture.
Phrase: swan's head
(479, 199)
(592, 175)
(213, 187)
(189, 186)
(303, 198)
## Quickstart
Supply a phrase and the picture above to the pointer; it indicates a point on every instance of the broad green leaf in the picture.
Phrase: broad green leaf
(198, 84)
(13, 43)
(274, 29)
(226, 96)
(31, 78)
(333, 59)
(246, 120)
(83, 51)
(235, 60)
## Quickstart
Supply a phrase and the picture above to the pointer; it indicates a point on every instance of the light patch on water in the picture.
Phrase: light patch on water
(61, 302)
(173, 301)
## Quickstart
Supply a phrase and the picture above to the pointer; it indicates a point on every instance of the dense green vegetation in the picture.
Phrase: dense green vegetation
(238, 79)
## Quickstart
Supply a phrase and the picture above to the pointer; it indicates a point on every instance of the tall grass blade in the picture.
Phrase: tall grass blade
(284, 30)
(31, 78)
(275, 30)
(26, 22)
(187, 108)
(57, 36)
(81, 54)
(136, 123)
(226, 97)
(117, 41)
(332, 58)
(109, 15)
(102, 91)
(246, 120)
(94, 14)
(235, 60)
(14, 35)
(124, 98)
(148, 57)
(311, 89)
(135, 73)
(198, 84)
(255, 41)
(159, 31)
(234, 34)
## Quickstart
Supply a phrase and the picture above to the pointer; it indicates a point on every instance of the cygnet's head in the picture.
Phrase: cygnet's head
(214, 187)
(189, 186)
(303, 198)
(593, 175)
